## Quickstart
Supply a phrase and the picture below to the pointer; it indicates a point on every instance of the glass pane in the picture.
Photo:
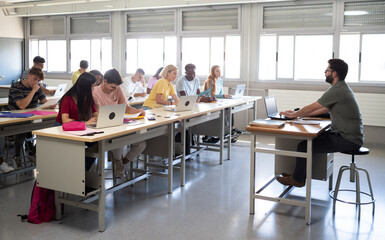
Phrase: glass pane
(80, 50)
(233, 57)
(106, 54)
(196, 51)
(33, 51)
(285, 56)
(56, 61)
(132, 55)
(43, 52)
(372, 57)
(95, 62)
(267, 62)
(169, 50)
(349, 52)
(311, 56)
(217, 50)
(90, 25)
(150, 54)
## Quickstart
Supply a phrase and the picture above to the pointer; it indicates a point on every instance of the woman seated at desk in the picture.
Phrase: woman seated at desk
(78, 105)
(163, 89)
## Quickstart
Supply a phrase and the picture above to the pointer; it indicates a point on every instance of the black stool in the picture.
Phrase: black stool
(354, 177)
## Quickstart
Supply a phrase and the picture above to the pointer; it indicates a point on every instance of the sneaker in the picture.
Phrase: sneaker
(4, 168)
(120, 170)
(17, 161)
(236, 131)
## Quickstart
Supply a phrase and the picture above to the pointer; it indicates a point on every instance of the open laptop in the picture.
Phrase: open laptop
(239, 91)
(186, 103)
(60, 90)
(50, 102)
(110, 116)
(272, 110)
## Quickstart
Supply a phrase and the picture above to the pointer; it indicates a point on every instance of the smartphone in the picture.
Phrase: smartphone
(150, 118)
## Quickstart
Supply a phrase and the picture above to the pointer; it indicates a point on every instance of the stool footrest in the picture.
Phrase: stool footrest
(331, 194)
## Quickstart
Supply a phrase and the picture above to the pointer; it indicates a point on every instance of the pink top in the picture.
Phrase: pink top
(103, 99)
(151, 82)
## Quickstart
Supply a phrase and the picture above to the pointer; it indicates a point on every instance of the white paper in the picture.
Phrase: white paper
(304, 122)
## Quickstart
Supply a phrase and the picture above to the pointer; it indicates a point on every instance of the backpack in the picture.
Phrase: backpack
(42, 205)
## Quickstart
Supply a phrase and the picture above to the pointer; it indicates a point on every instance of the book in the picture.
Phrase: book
(267, 123)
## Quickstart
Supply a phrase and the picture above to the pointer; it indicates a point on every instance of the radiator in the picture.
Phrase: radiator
(371, 104)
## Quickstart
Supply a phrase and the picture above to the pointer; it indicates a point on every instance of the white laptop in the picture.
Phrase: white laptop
(60, 90)
(239, 91)
(110, 116)
(50, 102)
(186, 103)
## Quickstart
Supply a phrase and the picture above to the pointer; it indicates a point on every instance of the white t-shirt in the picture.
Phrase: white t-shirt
(130, 88)
(189, 87)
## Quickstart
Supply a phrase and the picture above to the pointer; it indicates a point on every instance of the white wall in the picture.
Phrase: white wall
(11, 27)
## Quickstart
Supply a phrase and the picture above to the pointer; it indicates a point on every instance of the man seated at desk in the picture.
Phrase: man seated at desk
(109, 93)
(133, 86)
(345, 133)
(188, 85)
(22, 95)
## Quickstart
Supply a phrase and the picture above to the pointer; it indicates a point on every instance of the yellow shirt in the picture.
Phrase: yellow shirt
(161, 86)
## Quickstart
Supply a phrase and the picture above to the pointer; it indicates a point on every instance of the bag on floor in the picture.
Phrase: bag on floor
(42, 205)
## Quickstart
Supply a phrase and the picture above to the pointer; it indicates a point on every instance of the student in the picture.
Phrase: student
(133, 86)
(38, 62)
(153, 79)
(163, 89)
(215, 83)
(77, 104)
(346, 132)
(98, 75)
(188, 85)
(4, 168)
(23, 95)
(82, 69)
(109, 93)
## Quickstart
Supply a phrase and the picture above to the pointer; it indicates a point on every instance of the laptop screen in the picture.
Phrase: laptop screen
(271, 106)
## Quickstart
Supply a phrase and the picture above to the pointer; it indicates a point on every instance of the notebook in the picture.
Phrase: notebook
(272, 110)
(60, 90)
(50, 102)
(110, 116)
(239, 91)
(186, 103)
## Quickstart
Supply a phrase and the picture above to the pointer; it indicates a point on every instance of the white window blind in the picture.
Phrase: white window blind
(364, 13)
(90, 25)
(151, 22)
(306, 16)
(214, 19)
(47, 26)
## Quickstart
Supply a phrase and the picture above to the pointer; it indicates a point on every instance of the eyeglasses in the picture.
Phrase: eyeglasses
(328, 70)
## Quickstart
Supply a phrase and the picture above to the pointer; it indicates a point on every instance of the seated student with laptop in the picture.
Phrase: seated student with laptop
(77, 104)
(133, 86)
(23, 95)
(163, 89)
(188, 85)
(109, 93)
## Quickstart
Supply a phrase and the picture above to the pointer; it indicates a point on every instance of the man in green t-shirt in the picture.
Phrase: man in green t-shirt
(346, 131)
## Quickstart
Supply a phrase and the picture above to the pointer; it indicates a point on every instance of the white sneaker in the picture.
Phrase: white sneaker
(120, 170)
(5, 168)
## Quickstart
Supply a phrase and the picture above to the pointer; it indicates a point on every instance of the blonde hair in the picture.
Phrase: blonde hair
(211, 80)
(167, 69)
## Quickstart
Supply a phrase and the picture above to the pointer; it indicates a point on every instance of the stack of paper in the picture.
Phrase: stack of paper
(267, 123)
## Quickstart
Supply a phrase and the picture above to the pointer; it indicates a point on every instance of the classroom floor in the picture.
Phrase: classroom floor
(214, 204)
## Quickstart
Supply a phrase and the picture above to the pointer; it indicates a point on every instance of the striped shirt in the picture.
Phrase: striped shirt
(18, 92)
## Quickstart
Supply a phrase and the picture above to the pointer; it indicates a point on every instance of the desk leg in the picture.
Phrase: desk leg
(229, 140)
(102, 194)
(309, 160)
(183, 160)
(57, 206)
(252, 172)
(221, 136)
(170, 155)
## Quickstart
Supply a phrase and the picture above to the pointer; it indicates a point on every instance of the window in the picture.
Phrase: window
(46, 26)
(53, 51)
(150, 53)
(349, 52)
(96, 51)
(364, 13)
(90, 25)
(372, 57)
(144, 22)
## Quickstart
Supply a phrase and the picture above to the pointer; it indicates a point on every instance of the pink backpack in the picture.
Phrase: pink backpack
(42, 205)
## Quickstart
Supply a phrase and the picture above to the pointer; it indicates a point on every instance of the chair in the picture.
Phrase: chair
(354, 177)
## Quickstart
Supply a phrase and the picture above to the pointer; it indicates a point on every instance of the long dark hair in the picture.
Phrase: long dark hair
(158, 72)
(82, 92)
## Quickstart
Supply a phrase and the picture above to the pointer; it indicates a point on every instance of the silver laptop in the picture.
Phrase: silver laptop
(60, 90)
(186, 103)
(50, 102)
(239, 91)
(110, 116)
(272, 110)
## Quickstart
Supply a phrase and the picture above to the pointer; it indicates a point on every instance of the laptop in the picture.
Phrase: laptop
(110, 116)
(50, 102)
(272, 110)
(239, 91)
(60, 90)
(186, 103)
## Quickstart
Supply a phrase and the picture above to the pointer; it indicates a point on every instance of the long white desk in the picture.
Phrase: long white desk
(60, 156)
